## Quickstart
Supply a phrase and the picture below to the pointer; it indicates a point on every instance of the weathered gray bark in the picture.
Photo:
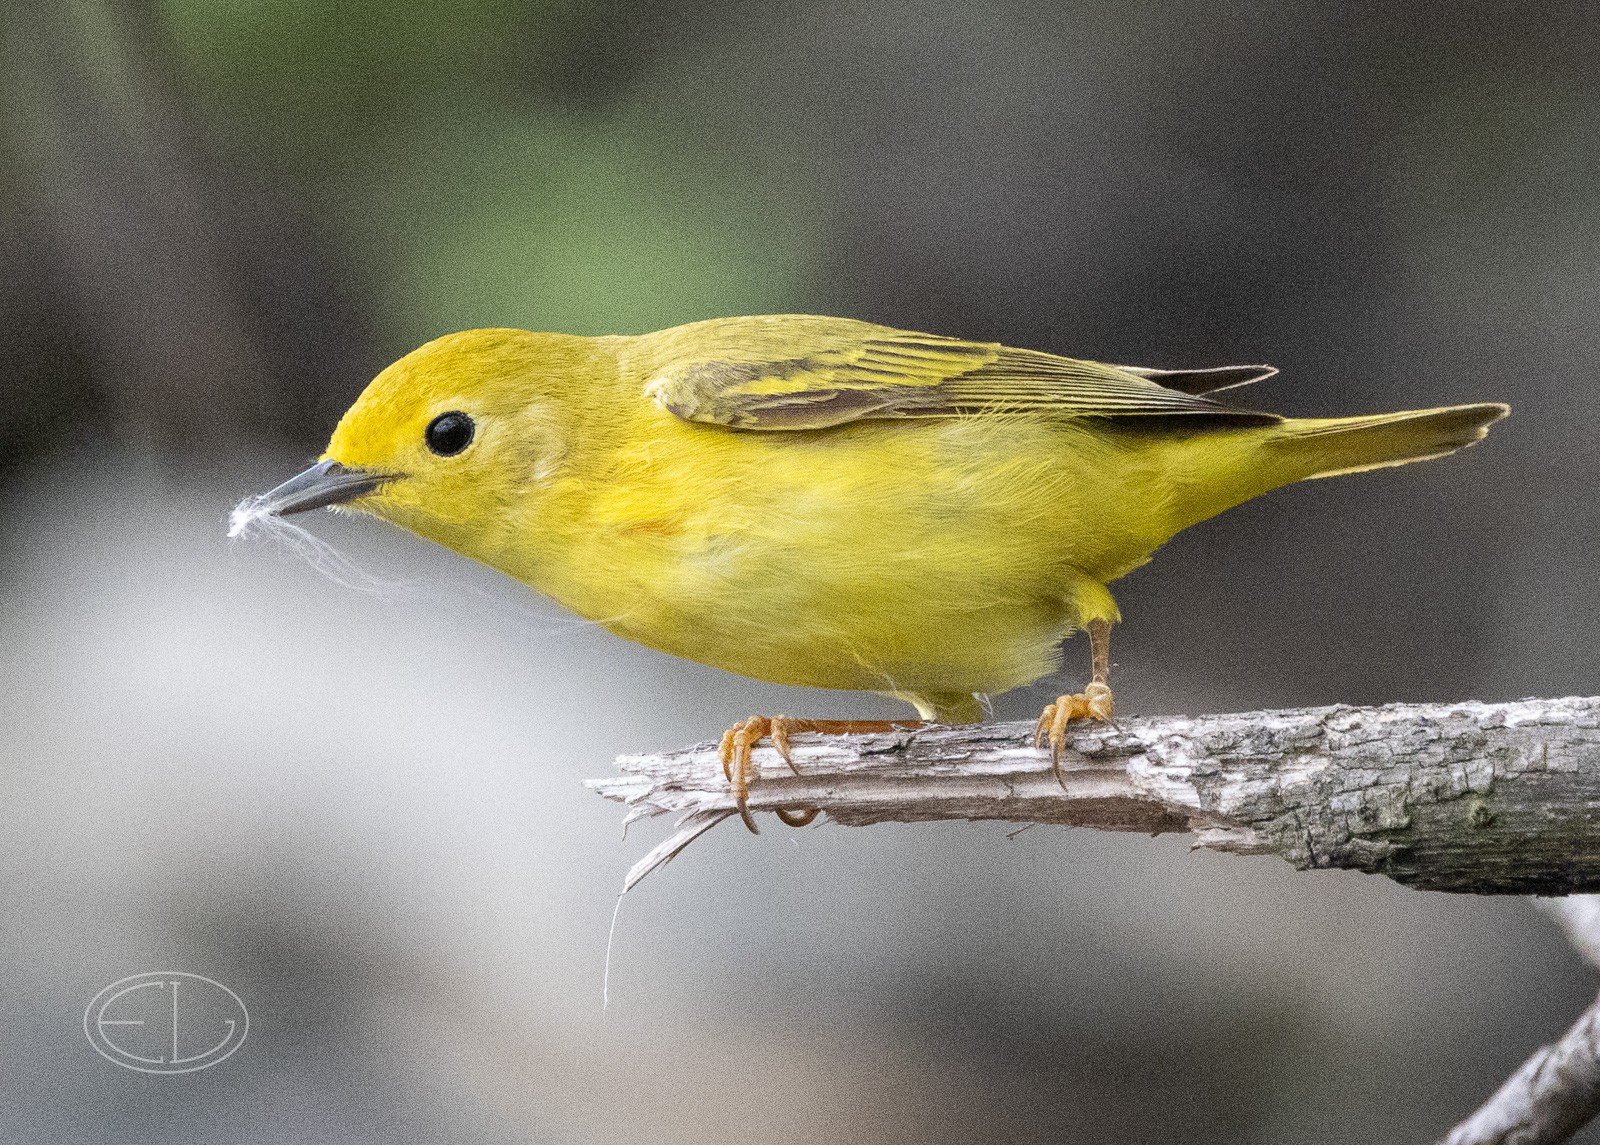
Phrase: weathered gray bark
(1553, 1095)
(1557, 1090)
(1484, 798)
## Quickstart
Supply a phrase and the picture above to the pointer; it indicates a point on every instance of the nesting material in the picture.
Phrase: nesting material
(255, 517)
(250, 514)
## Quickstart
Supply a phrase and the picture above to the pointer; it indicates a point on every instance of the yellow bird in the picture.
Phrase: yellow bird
(826, 502)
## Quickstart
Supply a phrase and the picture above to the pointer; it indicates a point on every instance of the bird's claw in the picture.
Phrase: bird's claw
(1093, 703)
(737, 744)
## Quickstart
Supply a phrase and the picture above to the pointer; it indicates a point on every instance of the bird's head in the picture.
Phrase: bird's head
(453, 439)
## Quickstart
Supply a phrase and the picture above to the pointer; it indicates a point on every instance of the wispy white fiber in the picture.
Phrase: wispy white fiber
(252, 518)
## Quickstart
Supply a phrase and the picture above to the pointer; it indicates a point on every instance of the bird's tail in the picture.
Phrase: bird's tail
(1329, 446)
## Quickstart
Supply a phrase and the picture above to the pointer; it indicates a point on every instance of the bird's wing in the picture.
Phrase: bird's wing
(893, 374)
(1207, 381)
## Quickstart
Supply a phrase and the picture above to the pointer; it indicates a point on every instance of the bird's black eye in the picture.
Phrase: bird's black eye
(449, 433)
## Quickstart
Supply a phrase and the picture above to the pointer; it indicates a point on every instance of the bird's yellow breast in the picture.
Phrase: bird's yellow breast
(947, 555)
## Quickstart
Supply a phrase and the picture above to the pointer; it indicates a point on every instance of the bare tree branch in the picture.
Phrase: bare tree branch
(1550, 1098)
(1557, 1090)
(1484, 798)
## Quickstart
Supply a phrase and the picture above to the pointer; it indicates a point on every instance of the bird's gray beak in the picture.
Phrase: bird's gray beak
(325, 483)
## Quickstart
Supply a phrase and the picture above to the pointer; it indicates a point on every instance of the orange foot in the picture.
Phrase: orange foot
(1093, 703)
(740, 740)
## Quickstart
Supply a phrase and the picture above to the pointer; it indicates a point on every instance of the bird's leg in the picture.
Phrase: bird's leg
(1093, 703)
(740, 740)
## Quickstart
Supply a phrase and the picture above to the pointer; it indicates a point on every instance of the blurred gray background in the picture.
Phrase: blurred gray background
(363, 811)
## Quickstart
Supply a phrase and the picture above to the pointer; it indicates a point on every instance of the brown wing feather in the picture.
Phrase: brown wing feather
(1207, 381)
(876, 372)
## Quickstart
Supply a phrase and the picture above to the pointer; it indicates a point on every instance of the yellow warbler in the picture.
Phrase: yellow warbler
(826, 502)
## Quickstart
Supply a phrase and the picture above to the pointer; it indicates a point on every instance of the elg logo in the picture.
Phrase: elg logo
(166, 1022)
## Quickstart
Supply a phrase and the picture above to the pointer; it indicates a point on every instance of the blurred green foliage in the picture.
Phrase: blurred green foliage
(313, 82)
(587, 230)
(467, 191)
